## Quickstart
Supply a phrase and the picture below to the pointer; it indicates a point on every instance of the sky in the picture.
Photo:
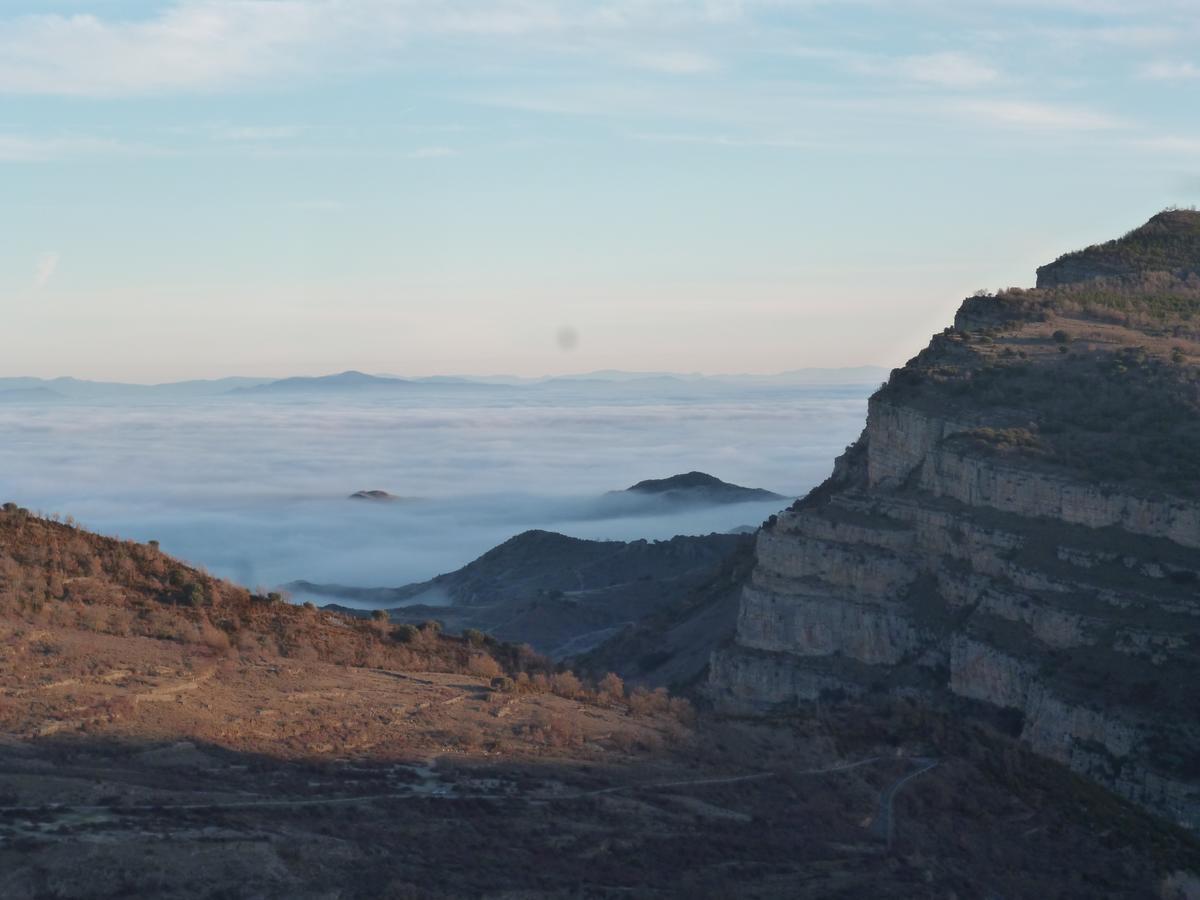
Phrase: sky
(202, 188)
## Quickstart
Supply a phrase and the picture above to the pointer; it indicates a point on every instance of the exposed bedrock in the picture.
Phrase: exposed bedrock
(979, 547)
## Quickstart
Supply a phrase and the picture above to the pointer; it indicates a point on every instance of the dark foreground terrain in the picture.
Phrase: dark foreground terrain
(809, 818)
(165, 734)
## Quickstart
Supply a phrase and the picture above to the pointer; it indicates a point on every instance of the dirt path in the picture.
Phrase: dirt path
(884, 825)
(171, 691)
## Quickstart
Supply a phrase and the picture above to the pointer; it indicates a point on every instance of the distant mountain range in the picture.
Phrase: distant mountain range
(41, 390)
(47, 389)
(343, 381)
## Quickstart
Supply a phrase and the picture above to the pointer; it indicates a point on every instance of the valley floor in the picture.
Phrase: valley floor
(138, 767)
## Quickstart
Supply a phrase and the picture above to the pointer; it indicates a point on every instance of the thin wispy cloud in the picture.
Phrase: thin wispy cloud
(323, 206)
(44, 269)
(1171, 144)
(258, 132)
(1170, 71)
(209, 45)
(432, 153)
(724, 140)
(950, 69)
(675, 62)
(204, 44)
(33, 148)
(1027, 114)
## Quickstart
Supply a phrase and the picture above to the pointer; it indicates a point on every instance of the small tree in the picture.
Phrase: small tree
(1061, 337)
(612, 687)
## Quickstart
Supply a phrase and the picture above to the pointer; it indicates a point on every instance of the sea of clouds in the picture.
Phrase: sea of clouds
(257, 490)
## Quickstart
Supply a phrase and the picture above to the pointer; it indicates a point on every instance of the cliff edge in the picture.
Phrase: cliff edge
(1016, 534)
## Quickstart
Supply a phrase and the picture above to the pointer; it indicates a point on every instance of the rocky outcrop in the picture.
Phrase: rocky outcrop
(1170, 242)
(964, 553)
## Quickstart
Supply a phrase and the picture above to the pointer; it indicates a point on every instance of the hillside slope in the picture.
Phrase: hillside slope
(1017, 531)
(562, 595)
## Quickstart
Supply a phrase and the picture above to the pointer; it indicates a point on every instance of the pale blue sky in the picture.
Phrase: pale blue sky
(205, 187)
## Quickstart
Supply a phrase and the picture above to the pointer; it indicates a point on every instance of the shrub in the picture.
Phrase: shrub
(612, 687)
(565, 684)
(644, 702)
(381, 615)
(474, 637)
(211, 636)
(484, 666)
(405, 634)
(682, 710)
(1061, 337)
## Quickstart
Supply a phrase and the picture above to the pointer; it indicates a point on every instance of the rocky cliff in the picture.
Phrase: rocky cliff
(1016, 534)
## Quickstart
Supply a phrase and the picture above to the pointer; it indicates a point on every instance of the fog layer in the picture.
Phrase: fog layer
(257, 490)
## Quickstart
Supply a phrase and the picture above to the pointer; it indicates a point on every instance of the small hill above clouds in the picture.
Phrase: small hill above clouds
(699, 487)
(373, 495)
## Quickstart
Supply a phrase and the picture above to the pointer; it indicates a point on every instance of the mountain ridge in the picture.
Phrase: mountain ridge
(1015, 535)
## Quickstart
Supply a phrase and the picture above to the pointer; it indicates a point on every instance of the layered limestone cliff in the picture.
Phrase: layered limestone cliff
(1017, 530)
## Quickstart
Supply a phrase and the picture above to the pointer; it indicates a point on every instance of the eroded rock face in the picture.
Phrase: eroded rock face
(961, 551)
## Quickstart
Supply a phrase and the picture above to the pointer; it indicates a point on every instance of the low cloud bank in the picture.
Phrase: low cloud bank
(258, 492)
